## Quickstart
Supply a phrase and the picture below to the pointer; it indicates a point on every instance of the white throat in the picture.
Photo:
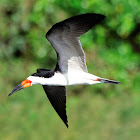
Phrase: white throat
(56, 79)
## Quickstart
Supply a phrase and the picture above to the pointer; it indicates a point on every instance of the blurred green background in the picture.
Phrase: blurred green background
(97, 112)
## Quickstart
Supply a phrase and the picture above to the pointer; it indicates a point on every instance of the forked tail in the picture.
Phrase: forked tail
(106, 81)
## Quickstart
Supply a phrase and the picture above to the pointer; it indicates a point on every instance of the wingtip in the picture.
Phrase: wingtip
(66, 122)
(96, 15)
(67, 125)
(97, 18)
(101, 17)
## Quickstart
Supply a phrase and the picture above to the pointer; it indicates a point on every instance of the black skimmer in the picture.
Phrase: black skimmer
(71, 64)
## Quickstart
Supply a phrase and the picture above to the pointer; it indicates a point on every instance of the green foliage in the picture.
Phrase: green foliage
(112, 51)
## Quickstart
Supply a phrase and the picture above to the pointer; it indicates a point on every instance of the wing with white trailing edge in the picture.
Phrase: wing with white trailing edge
(64, 37)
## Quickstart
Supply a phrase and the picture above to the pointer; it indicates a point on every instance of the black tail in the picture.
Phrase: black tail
(106, 81)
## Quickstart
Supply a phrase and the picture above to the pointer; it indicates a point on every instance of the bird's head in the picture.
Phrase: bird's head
(22, 85)
(33, 79)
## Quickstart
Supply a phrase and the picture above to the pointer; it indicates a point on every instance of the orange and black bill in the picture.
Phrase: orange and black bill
(23, 84)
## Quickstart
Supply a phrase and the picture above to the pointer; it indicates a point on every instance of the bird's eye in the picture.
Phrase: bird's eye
(34, 74)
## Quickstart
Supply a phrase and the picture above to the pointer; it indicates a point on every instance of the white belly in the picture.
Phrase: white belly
(80, 78)
(71, 78)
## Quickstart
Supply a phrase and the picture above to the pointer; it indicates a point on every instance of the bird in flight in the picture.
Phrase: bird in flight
(71, 66)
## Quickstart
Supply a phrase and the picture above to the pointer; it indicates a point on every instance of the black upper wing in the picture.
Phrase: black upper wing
(64, 37)
(77, 25)
(57, 97)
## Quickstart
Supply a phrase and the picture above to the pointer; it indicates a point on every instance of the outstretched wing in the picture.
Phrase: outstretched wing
(57, 97)
(64, 37)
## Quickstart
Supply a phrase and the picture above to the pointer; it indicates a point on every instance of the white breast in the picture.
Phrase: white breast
(56, 79)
